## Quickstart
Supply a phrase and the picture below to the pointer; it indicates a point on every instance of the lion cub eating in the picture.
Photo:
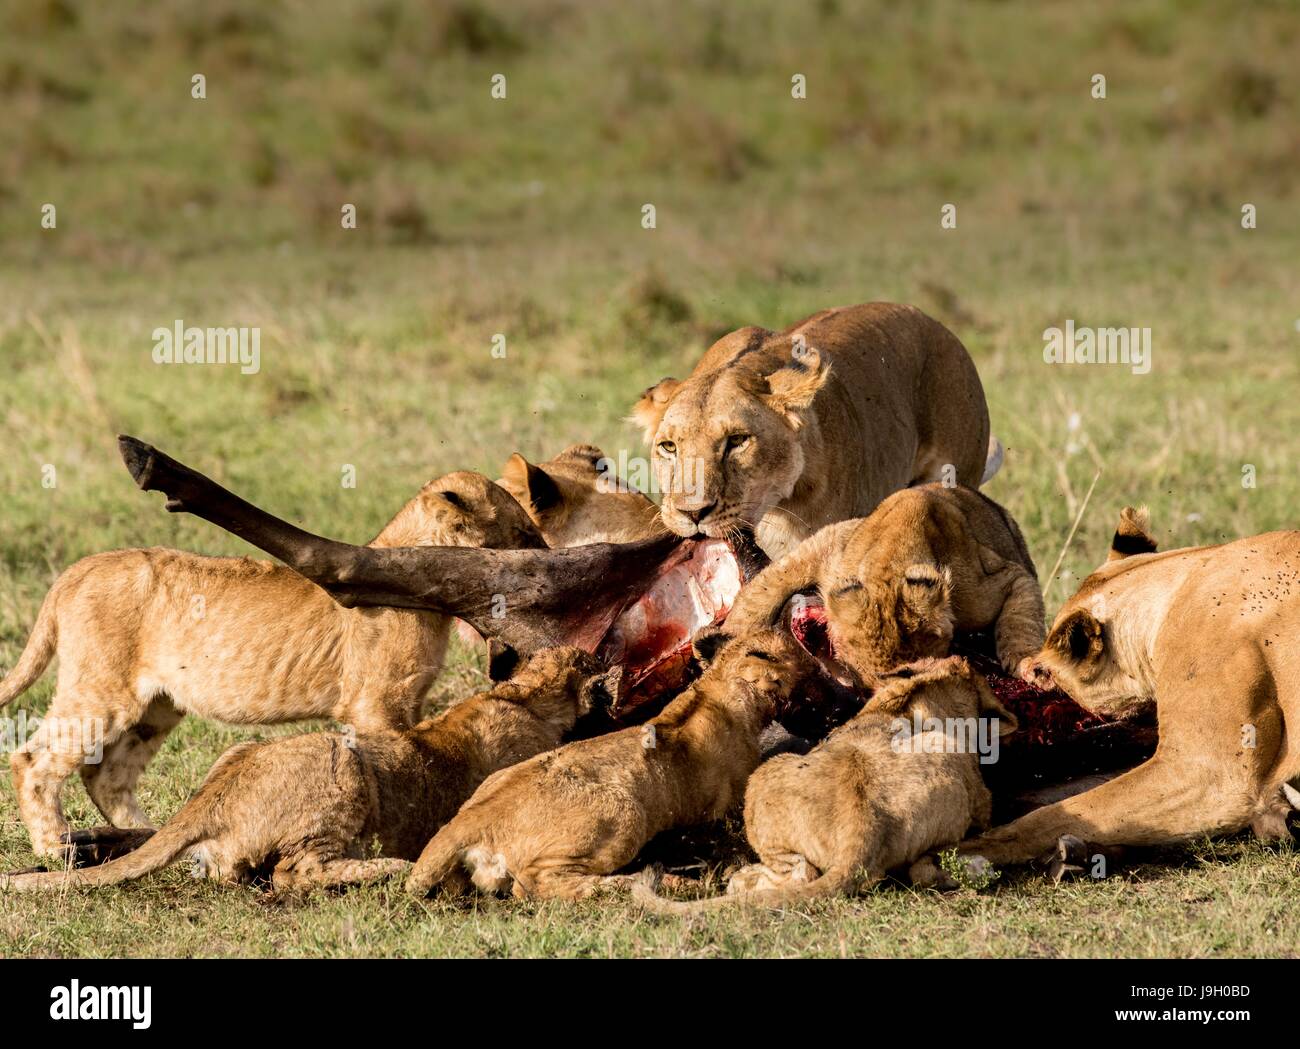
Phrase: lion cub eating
(562, 823)
(576, 499)
(928, 561)
(305, 808)
(875, 796)
(146, 636)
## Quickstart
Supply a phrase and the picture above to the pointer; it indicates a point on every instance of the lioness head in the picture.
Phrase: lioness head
(725, 446)
(880, 622)
(576, 498)
(1084, 653)
(462, 509)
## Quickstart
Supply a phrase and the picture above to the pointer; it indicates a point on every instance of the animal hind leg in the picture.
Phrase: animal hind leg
(39, 772)
(314, 873)
(111, 782)
(569, 883)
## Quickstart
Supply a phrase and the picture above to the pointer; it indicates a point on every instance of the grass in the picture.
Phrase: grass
(523, 217)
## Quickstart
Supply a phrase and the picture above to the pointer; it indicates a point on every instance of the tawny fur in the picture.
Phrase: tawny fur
(330, 808)
(146, 636)
(785, 432)
(563, 823)
(1208, 637)
(928, 561)
(871, 798)
(578, 498)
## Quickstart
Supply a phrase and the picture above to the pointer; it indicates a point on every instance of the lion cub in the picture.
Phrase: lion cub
(928, 561)
(146, 636)
(898, 780)
(560, 824)
(576, 499)
(306, 809)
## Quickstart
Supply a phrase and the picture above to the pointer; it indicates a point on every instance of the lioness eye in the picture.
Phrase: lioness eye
(737, 440)
(667, 448)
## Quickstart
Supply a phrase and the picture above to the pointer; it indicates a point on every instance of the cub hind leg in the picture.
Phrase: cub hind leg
(61, 746)
(111, 783)
(317, 872)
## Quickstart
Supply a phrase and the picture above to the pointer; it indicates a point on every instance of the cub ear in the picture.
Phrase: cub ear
(503, 660)
(602, 692)
(648, 412)
(707, 643)
(925, 589)
(991, 706)
(1077, 637)
(792, 387)
(1133, 534)
(540, 492)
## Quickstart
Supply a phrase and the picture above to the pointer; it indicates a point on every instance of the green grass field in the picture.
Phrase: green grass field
(522, 216)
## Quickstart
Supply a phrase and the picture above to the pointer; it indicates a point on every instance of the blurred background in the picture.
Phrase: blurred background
(521, 216)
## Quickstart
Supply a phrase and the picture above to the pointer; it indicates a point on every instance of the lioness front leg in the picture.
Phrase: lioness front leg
(1159, 803)
(1203, 779)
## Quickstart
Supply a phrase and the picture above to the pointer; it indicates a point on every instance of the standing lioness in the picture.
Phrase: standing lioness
(785, 432)
(146, 636)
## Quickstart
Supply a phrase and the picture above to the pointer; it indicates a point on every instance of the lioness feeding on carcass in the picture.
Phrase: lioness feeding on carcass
(784, 432)
(1204, 638)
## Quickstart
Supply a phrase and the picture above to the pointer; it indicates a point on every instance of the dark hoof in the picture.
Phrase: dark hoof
(1069, 858)
(95, 845)
(1074, 856)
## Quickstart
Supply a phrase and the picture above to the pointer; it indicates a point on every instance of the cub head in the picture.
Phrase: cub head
(577, 498)
(562, 684)
(462, 509)
(1084, 653)
(904, 616)
(940, 688)
(771, 661)
(725, 447)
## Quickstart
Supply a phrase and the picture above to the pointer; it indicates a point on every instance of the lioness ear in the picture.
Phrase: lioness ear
(792, 387)
(1133, 535)
(648, 412)
(707, 643)
(991, 706)
(1077, 637)
(540, 490)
